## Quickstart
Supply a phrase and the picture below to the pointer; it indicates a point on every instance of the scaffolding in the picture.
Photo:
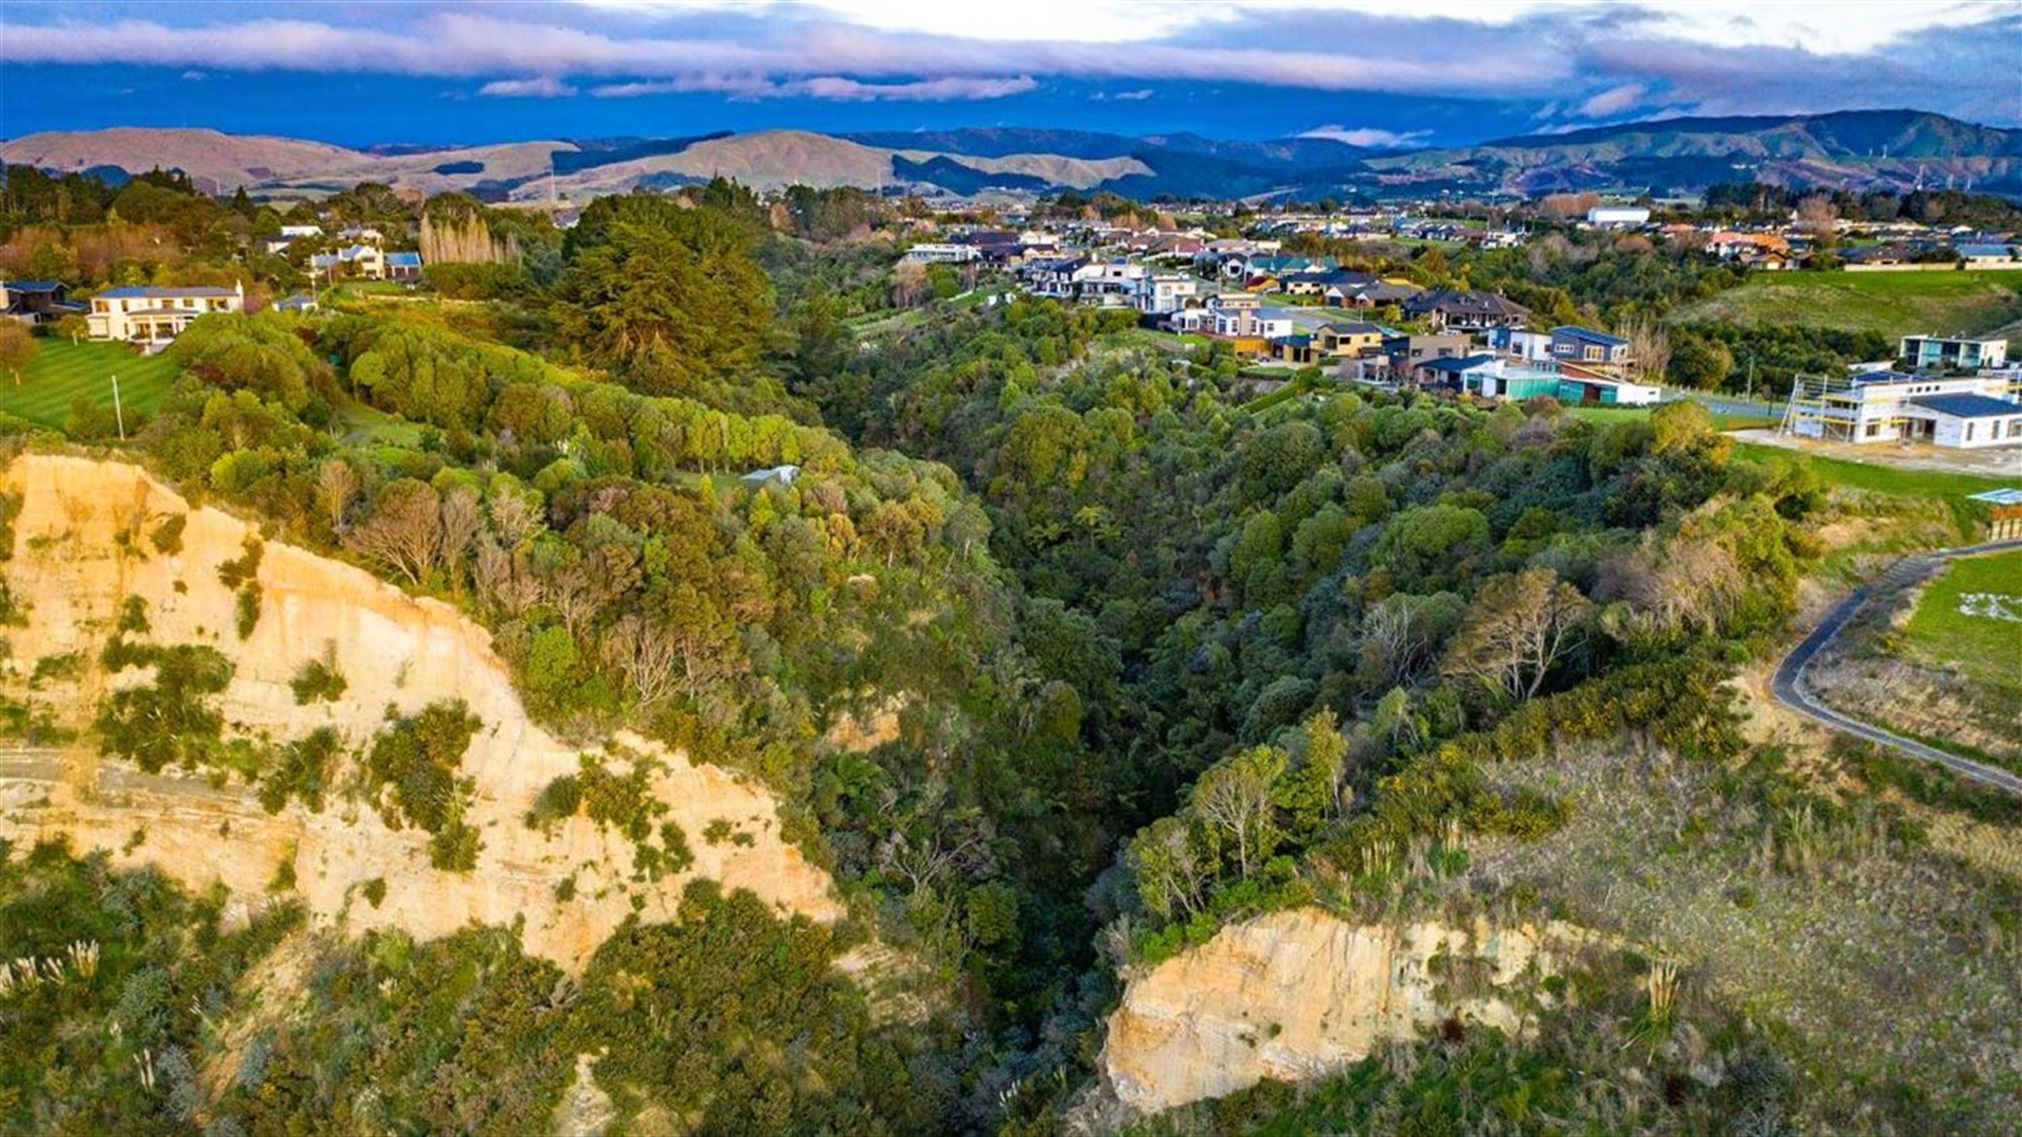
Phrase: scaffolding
(1822, 407)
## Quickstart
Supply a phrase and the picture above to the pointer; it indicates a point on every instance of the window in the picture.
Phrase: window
(1969, 431)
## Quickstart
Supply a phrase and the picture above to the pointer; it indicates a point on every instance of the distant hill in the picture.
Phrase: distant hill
(1897, 150)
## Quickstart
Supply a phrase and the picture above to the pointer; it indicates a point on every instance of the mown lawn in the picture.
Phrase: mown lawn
(1971, 617)
(1892, 303)
(1878, 478)
(61, 370)
(1722, 420)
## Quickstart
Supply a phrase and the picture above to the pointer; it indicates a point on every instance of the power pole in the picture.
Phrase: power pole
(118, 413)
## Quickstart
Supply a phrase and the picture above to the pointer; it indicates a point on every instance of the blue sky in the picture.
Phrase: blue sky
(1369, 71)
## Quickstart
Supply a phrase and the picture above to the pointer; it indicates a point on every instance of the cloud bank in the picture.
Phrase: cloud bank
(1582, 62)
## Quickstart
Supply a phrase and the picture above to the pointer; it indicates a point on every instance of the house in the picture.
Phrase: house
(1618, 216)
(784, 475)
(154, 315)
(1405, 353)
(1489, 377)
(1727, 244)
(1297, 350)
(1351, 341)
(934, 253)
(1952, 353)
(1962, 412)
(403, 266)
(1978, 255)
(36, 301)
(362, 262)
(1374, 294)
(1572, 343)
(300, 304)
(1517, 343)
(1465, 310)
(296, 232)
(1166, 292)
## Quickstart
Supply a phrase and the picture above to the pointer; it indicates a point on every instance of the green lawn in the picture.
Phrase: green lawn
(1881, 479)
(1721, 419)
(1892, 303)
(1971, 617)
(61, 370)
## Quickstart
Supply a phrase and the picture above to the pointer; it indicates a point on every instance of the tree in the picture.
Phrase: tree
(1170, 872)
(1700, 361)
(1519, 627)
(1649, 348)
(1233, 801)
(404, 530)
(17, 347)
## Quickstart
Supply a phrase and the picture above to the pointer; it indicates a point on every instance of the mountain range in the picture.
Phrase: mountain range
(1898, 150)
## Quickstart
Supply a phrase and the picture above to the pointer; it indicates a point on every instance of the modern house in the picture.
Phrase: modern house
(1449, 309)
(932, 253)
(1618, 216)
(1574, 344)
(1488, 377)
(1963, 412)
(1952, 353)
(1517, 343)
(361, 262)
(36, 301)
(1164, 293)
(155, 315)
(1407, 352)
(1352, 341)
(403, 266)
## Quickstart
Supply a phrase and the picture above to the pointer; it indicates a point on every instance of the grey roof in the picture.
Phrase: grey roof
(1575, 332)
(1998, 497)
(31, 285)
(1968, 406)
(152, 292)
(1456, 364)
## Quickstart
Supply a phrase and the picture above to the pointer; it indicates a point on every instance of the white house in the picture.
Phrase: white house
(1963, 412)
(1166, 292)
(154, 315)
(930, 253)
(1931, 353)
(1617, 216)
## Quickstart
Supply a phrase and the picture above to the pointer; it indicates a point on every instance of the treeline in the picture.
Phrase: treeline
(1926, 207)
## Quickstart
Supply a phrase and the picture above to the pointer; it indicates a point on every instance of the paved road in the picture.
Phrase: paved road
(1788, 684)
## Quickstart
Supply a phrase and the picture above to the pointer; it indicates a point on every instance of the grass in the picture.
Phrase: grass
(1722, 420)
(1892, 303)
(1879, 479)
(1956, 620)
(61, 370)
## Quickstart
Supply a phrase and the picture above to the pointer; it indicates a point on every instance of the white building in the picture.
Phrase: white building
(1965, 412)
(942, 254)
(1617, 216)
(1166, 292)
(1931, 353)
(152, 315)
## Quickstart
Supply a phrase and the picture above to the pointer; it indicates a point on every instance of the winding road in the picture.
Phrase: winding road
(1788, 684)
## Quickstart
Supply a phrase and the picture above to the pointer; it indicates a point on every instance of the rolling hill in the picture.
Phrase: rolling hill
(1897, 150)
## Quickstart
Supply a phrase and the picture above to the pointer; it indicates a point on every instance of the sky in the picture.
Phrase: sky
(1371, 72)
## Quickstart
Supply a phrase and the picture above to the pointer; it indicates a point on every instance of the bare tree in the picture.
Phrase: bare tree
(514, 517)
(1649, 348)
(404, 531)
(649, 653)
(462, 521)
(1519, 627)
(336, 484)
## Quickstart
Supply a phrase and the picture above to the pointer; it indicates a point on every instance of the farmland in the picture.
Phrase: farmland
(61, 371)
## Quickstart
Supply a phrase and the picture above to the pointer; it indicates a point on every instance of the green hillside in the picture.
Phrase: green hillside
(1891, 303)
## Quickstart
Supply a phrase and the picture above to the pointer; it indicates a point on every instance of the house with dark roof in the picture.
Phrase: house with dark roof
(1967, 421)
(403, 266)
(1457, 310)
(153, 315)
(36, 301)
(1576, 344)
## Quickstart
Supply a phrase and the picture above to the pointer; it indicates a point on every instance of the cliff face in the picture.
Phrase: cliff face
(1294, 994)
(82, 547)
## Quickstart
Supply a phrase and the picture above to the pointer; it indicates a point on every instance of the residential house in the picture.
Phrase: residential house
(937, 253)
(1166, 292)
(1952, 353)
(1962, 412)
(36, 301)
(155, 315)
(1618, 216)
(1989, 255)
(1728, 244)
(1350, 341)
(1452, 309)
(301, 304)
(403, 266)
(1405, 353)
(1574, 344)
(1518, 343)
(1489, 377)
(360, 262)
(1374, 294)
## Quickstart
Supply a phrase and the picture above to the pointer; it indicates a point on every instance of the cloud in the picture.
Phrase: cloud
(1612, 101)
(1593, 60)
(1374, 138)
(195, 76)
(1139, 95)
(542, 87)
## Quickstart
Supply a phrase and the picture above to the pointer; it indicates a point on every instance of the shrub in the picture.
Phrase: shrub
(318, 679)
(167, 537)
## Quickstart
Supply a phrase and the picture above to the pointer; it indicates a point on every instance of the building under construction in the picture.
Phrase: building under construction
(1962, 412)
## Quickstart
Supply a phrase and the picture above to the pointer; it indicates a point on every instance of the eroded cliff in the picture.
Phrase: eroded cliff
(82, 546)
(1294, 994)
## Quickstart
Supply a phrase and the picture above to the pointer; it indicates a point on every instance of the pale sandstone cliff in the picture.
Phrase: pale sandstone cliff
(1294, 994)
(72, 569)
